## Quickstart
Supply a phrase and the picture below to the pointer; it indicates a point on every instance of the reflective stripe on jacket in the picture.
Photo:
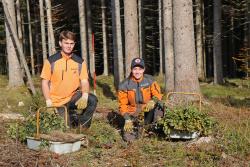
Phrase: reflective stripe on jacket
(133, 95)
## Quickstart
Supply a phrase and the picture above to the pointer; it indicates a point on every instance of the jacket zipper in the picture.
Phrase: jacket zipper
(139, 95)
(66, 68)
(62, 74)
(66, 65)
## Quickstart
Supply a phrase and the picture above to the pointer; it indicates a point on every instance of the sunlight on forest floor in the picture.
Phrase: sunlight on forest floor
(228, 104)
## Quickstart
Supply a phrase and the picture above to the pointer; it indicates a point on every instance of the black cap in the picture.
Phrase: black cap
(137, 62)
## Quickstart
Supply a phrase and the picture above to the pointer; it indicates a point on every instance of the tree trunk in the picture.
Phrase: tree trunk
(83, 30)
(186, 79)
(248, 18)
(14, 69)
(232, 45)
(30, 39)
(117, 43)
(19, 29)
(131, 32)
(37, 40)
(160, 36)
(218, 66)
(199, 40)
(204, 40)
(104, 39)
(141, 29)
(14, 36)
(168, 45)
(19, 23)
(51, 38)
(90, 42)
(43, 35)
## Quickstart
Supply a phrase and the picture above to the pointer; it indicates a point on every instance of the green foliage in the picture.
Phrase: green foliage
(243, 59)
(103, 135)
(106, 92)
(16, 131)
(236, 138)
(214, 91)
(44, 144)
(48, 122)
(37, 102)
(186, 119)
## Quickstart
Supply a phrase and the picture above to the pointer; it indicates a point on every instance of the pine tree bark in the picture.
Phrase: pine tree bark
(141, 29)
(186, 79)
(14, 69)
(168, 45)
(19, 22)
(117, 43)
(30, 39)
(51, 38)
(15, 40)
(104, 39)
(90, 42)
(131, 32)
(19, 29)
(83, 29)
(248, 18)
(42, 25)
(160, 36)
(232, 44)
(217, 55)
(199, 40)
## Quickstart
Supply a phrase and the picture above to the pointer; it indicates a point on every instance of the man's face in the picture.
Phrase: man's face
(67, 46)
(137, 72)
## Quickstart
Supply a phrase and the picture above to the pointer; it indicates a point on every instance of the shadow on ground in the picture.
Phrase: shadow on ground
(107, 92)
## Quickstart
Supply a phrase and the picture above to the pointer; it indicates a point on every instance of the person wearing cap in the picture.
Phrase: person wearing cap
(65, 83)
(138, 94)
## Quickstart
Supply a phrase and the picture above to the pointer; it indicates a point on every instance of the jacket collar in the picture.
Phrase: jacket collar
(65, 56)
(136, 80)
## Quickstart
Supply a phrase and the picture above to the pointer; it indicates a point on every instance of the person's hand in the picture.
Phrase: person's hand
(82, 102)
(48, 103)
(149, 106)
(128, 126)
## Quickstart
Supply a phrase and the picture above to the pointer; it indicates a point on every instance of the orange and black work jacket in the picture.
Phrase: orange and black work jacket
(134, 94)
(64, 73)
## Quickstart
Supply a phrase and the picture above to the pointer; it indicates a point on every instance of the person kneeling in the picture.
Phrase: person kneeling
(138, 95)
(65, 83)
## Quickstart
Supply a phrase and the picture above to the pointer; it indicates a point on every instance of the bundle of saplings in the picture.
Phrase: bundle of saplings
(48, 123)
(186, 119)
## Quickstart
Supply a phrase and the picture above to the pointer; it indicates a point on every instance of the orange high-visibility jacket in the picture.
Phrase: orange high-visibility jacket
(64, 74)
(133, 95)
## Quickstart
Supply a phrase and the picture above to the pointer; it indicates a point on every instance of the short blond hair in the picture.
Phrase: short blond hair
(67, 35)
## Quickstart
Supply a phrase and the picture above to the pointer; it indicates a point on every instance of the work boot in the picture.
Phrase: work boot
(73, 120)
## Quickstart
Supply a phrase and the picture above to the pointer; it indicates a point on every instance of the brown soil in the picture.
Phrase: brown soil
(15, 154)
(58, 136)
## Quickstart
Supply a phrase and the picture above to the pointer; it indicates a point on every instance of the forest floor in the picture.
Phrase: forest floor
(229, 105)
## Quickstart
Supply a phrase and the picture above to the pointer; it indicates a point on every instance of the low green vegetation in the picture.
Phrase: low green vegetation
(27, 128)
(105, 91)
(227, 105)
(188, 119)
(234, 93)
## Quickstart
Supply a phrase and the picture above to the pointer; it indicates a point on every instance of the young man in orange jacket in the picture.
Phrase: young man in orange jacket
(65, 82)
(138, 93)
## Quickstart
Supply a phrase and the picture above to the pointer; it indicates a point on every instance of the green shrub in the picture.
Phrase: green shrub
(48, 122)
(103, 135)
(187, 118)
